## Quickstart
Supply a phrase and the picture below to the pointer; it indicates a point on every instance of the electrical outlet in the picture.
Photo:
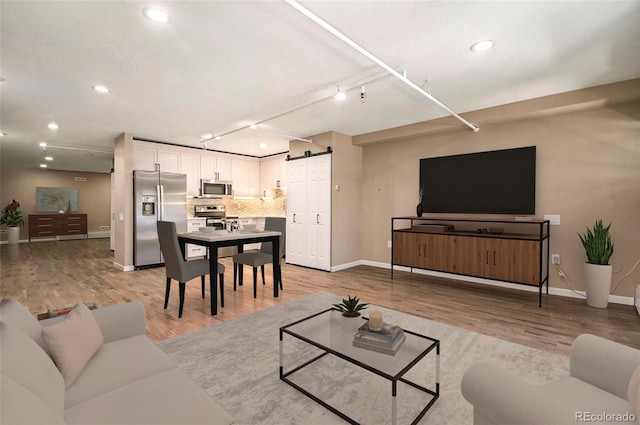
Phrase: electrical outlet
(388, 244)
(555, 258)
(104, 227)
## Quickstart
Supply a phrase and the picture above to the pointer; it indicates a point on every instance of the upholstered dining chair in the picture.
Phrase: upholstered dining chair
(264, 256)
(178, 268)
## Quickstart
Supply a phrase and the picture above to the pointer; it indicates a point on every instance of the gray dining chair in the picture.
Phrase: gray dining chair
(178, 268)
(258, 258)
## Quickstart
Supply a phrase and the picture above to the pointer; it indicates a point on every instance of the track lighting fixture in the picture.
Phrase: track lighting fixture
(340, 96)
(363, 97)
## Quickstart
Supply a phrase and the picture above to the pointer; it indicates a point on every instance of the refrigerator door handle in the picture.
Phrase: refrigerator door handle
(160, 192)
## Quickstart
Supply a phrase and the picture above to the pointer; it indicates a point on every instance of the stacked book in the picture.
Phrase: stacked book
(386, 340)
(63, 309)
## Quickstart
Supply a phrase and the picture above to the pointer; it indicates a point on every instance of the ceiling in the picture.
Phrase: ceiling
(219, 66)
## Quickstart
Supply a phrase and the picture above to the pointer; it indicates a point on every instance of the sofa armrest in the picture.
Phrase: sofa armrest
(501, 397)
(117, 321)
(605, 364)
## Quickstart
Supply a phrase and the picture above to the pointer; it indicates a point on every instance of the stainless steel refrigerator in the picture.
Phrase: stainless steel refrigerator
(157, 196)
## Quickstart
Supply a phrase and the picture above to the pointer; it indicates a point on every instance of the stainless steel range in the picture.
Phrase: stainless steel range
(216, 216)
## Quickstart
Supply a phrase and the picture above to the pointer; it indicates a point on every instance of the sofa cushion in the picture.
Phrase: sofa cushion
(14, 313)
(586, 398)
(73, 341)
(25, 362)
(634, 392)
(18, 405)
(117, 364)
(170, 397)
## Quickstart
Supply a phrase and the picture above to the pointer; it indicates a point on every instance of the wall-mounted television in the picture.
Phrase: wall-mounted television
(494, 182)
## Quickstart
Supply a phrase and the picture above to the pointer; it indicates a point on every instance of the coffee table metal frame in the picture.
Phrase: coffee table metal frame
(435, 345)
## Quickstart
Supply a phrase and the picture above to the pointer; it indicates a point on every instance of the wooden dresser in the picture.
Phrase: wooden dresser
(50, 225)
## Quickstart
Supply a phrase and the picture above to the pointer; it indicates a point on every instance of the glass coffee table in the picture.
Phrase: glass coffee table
(333, 334)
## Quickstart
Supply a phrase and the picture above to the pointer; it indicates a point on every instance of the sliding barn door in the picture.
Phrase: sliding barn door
(309, 212)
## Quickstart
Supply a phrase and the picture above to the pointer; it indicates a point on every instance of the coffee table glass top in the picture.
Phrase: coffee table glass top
(332, 332)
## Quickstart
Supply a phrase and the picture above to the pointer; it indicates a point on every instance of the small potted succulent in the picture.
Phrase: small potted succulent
(351, 306)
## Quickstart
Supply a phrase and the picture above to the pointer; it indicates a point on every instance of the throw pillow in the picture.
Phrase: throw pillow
(73, 341)
(633, 393)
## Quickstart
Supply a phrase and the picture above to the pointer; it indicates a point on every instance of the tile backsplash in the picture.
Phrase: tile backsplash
(261, 207)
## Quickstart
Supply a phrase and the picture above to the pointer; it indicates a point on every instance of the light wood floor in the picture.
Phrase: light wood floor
(39, 274)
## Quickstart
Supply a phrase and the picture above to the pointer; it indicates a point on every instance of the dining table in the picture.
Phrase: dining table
(222, 238)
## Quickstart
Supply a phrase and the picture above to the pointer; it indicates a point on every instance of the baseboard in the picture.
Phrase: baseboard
(563, 292)
(346, 266)
(91, 235)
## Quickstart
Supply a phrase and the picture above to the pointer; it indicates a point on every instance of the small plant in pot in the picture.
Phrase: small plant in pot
(351, 306)
(597, 270)
(12, 217)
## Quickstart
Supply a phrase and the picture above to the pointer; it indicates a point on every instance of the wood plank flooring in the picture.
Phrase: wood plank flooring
(40, 274)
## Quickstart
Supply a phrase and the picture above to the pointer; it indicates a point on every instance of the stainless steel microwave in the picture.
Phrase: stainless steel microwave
(215, 188)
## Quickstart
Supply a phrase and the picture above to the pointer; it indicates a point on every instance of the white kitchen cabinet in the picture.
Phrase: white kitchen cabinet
(308, 238)
(169, 160)
(245, 178)
(190, 165)
(214, 167)
(195, 251)
(273, 174)
(146, 155)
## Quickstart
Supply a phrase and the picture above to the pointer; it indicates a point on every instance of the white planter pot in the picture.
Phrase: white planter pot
(597, 282)
(13, 234)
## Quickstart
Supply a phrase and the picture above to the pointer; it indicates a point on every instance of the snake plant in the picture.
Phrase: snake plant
(597, 244)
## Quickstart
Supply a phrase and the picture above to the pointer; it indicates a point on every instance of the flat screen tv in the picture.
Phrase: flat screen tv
(494, 182)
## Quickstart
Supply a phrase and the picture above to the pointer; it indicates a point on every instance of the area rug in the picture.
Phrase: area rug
(237, 363)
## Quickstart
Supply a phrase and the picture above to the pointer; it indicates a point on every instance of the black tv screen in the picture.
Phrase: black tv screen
(495, 182)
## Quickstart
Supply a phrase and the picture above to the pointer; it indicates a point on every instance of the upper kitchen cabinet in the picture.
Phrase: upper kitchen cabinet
(273, 174)
(146, 155)
(190, 165)
(214, 167)
(245, 177)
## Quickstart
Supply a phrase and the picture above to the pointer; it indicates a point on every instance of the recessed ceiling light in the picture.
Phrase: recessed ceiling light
(253, 126)
(101, 89)
(48, 158)
(43, 145)
(43, 165)
(3, 134)
(483, 45)
(263, 145)
(53, 126)
(156, 15)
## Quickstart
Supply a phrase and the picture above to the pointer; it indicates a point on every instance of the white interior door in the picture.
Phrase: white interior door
(296, 200)
(318, 229)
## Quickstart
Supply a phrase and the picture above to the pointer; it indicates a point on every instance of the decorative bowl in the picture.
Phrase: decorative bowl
(208, 229)
(496, 230)
(249, 227)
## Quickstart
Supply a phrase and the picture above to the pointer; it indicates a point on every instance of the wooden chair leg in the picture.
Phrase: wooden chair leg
(202, 284)
(182, 287)
(255, 282)
(221, 276)
(166, 293)
(262, 271)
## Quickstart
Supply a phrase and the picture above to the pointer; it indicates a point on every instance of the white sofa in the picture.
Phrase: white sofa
(596, 390)
(129, 380)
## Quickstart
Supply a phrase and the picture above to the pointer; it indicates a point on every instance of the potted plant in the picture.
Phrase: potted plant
(12, 217)
(597, 270)
(350, 307)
